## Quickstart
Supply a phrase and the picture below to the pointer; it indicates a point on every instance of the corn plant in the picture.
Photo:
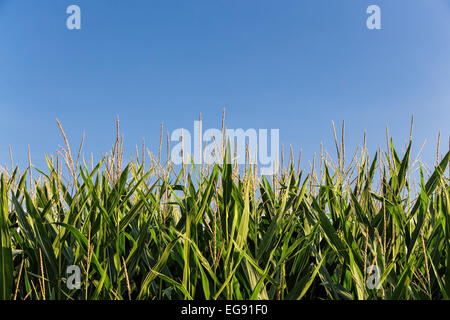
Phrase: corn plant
(149, 231)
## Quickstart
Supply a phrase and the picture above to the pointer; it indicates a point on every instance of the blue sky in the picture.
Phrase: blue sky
(290, 64)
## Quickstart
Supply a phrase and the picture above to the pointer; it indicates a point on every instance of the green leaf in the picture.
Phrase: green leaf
(6, 260)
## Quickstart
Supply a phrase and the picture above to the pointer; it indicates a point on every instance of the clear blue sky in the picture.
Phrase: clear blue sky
(289, 64)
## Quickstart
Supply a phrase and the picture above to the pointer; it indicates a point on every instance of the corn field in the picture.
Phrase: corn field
(146, 230)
